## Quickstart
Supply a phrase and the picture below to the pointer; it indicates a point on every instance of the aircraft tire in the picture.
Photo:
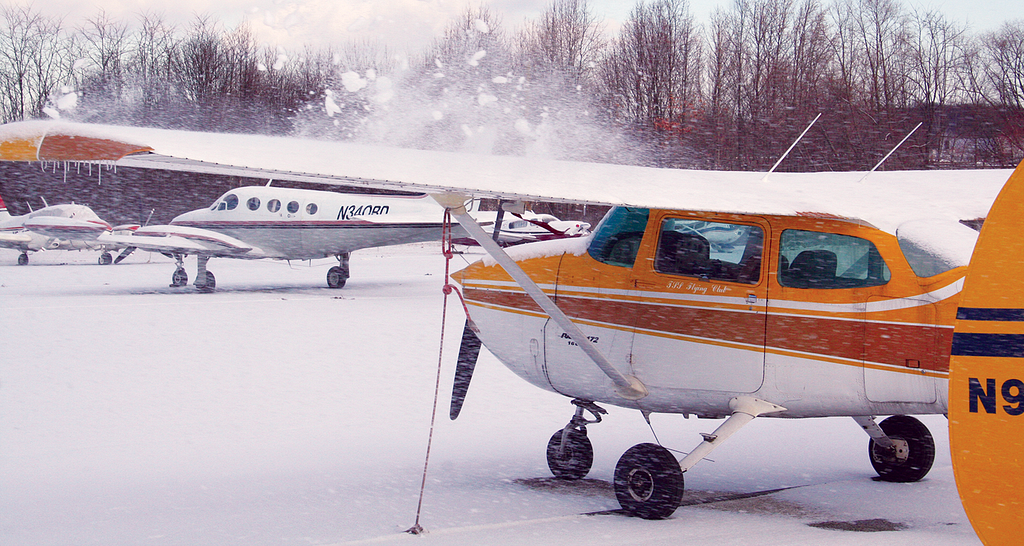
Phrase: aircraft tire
(106, 259)
(22, 259)
(648, 482)
(920, 447)
(211, 283)
(577, 457)
(179, 278)
(336, 277)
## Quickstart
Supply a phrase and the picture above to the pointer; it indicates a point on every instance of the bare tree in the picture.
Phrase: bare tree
(567, 39)
(34, 61)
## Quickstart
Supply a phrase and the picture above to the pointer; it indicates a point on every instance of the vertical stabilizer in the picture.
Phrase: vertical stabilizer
(3, 209)
(986, 378)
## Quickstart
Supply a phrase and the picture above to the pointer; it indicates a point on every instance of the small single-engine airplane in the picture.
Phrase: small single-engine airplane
(58, 227)
(714, 294)
(256, 222)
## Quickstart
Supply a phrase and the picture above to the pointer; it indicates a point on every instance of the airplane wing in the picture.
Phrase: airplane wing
(183, 240)
(13, 240)
(66, 228)
(883, 199)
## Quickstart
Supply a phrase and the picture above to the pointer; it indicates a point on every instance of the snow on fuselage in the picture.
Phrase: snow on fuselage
(292, 223)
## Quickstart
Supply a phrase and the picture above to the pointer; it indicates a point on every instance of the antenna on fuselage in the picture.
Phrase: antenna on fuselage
(879, 164)
(790, 149)
(45, 204)
(150, 217)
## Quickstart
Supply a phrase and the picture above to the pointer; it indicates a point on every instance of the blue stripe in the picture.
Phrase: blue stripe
(996, 345)
(999, 315)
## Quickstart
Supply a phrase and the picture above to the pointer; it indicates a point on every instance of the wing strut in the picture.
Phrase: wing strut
(627, 387)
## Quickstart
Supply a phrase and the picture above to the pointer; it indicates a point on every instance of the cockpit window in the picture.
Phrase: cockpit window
(231, 201)
(293, 207)
(617, 238)
(253, 203)
(273, 205)
(710, 250)
(810, 259)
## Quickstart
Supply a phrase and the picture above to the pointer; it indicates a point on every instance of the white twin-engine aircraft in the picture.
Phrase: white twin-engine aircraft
(58, 227)
(715, 294)
(290, 224)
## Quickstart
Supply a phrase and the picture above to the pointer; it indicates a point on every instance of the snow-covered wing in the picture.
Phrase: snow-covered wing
(183, 240)
(883, 199)
(13, 240)
(67, 228)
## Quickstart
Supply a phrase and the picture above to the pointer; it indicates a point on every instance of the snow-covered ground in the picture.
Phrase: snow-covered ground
(277, 411)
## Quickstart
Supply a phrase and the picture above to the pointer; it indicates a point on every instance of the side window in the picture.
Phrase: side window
(293, 207)
(810, 259)
(253, 203)
(273, 205)
(616, 240)
(311, 209)
(710, 250)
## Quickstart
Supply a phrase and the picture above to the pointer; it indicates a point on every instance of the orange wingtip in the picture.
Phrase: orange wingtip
(34, 144)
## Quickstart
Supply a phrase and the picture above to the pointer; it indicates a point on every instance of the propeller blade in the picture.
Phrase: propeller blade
(124, 254)
(469, 350)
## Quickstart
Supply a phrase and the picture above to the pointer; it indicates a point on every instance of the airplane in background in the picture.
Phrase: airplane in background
(719, 295)
(58, 227)
(256, 222)
(526, 227)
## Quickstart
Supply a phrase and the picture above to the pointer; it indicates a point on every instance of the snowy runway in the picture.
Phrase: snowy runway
(277, 411)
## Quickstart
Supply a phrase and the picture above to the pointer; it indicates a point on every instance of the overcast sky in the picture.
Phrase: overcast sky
(407, 25)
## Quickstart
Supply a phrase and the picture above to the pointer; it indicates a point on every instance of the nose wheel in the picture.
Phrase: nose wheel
(570, 454)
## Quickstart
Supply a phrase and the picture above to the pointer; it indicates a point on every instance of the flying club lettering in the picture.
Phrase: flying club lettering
(348, 212)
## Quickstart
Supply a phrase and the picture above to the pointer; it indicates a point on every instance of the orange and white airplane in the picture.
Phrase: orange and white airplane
(58, 227)
(719, 295)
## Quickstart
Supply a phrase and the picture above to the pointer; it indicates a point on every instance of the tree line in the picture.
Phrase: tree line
(732, 92)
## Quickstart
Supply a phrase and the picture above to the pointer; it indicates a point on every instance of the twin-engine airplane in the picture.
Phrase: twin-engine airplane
(257, 222)
(715, 294)
(58, 227)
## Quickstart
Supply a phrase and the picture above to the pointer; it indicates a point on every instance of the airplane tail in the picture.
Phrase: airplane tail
(3, 209)
(986, 377)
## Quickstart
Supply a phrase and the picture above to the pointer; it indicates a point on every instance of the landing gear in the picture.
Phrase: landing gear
(211, 283)
(570, 453)
(648, 482)
(23, 258)
(205, 281)
(337, 275)
(105, 259)
(179, 278)
(909, 452)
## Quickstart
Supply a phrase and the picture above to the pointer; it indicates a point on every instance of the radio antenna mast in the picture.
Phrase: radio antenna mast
(879, 164)
(791, 146)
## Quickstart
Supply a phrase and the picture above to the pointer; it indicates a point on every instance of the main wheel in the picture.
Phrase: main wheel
(179, 278)
(106, 259)
(211, 283)
(577, 455)
(914, 453)
(23, 259)
(648, 482)
(335, 277)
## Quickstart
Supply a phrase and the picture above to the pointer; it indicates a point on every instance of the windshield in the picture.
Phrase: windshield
(617, 238)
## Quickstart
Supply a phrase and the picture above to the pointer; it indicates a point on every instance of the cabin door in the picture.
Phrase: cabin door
(704, 293)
